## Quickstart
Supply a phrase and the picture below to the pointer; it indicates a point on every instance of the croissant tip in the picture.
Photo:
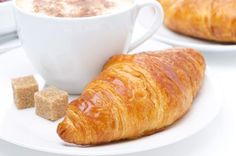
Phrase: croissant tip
(64, 132)
(68, 133)
(61, 130)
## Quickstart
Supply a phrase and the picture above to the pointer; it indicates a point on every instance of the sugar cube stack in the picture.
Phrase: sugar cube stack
(51, 103)
(23, 91)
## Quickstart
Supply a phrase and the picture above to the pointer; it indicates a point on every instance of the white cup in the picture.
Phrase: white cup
(69, 52)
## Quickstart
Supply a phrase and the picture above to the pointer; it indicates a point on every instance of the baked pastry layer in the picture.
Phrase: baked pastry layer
(205, 19)
(134, 96)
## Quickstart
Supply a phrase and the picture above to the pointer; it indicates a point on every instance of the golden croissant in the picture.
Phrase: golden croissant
(134, 95)
(206, 19)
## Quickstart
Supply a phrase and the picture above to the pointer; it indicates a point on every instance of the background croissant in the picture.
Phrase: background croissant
(134, 96)
(206, 19)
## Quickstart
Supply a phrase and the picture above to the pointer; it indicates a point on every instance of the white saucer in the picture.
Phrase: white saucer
(167, 36)
(7, 19)
(24, 128)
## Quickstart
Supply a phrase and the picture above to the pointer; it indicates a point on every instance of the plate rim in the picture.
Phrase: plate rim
(217, 48)
(131, 150)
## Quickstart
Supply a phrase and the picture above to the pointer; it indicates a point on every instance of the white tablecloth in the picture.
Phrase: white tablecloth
(218, 138)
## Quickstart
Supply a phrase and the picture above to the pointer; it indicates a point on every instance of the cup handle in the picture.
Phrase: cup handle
(159, 16)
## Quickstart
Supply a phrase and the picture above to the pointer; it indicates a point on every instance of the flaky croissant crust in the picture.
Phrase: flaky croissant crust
(206, 19)
(134, 96)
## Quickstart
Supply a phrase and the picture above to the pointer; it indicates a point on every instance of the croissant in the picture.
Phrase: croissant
(134, 95)
(205, 19)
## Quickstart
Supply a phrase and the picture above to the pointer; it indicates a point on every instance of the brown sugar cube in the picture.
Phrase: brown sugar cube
(23, 91)
(51, 103)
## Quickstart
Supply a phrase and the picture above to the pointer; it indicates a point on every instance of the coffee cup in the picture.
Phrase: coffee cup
(68, 52)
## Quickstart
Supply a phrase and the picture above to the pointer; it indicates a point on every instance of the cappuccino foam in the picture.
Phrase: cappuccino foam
(73, 8)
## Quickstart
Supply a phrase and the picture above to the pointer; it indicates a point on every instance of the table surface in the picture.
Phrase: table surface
(218, 138)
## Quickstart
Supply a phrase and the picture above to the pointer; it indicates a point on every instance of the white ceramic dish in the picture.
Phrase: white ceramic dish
(79, 46)
(172, 38)
(24, 128)
(7, 20)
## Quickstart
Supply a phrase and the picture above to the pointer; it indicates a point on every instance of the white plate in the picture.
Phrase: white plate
(167, 36)
(24, 128)
(7, 20)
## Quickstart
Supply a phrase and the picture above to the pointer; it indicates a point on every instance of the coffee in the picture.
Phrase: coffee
(73, 8)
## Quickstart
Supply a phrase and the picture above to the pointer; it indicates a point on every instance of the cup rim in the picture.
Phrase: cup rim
(134, 3)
